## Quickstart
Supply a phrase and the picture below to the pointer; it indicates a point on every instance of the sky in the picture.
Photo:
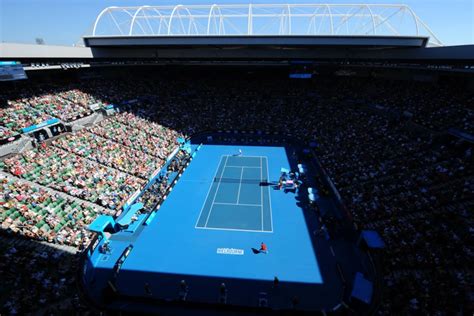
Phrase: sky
(63, 22)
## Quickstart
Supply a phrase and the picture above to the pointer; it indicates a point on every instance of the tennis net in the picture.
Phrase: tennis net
(247, 181)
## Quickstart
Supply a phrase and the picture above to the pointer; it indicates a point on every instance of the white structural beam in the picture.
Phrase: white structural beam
(289, 18)
(98, 19)
(171, 17)
(330, 18)
(374, 30)
(134, 18)
(259, 19)
(250, 19)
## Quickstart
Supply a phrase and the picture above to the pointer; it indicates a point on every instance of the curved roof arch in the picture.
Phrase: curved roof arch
(263, 19)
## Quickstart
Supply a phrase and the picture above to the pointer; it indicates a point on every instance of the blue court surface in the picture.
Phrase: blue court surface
(192, 230)
(208, 228)
(239, 196)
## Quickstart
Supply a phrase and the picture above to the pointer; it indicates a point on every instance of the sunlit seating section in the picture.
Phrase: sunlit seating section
(69, 173)
(110, 153)
(158, 144)
(36, 213)
(19, 115)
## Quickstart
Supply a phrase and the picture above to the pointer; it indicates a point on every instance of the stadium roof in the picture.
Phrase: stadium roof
(257, 33)
(267, 20)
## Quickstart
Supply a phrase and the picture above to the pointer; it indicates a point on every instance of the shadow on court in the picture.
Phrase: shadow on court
(338, 256)
(206, 293)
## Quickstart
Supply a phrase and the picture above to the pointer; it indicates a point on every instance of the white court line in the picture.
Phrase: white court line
(248, 156)
(235, 229)
(217, 190)
(209, 191)
(269, 198)
(261, 191)
(240, 185)
(215, 195)
(237, 204)
(241, 167)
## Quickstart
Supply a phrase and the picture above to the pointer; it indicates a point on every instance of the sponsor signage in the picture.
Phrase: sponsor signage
(40, 125)
(230, 251)
(11, 70)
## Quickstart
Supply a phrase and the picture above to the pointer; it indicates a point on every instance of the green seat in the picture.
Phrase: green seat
(58, 228)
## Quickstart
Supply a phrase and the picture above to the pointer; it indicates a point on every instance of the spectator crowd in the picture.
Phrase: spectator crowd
(383, 144)
(34, 105)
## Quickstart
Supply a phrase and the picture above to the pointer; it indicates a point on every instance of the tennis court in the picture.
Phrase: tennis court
(239, 196)
(206, 231)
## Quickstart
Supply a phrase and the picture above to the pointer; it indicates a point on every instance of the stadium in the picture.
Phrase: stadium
(238, 159)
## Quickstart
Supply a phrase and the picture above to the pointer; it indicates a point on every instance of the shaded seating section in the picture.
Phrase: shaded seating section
(452, 106)
(36, 278)
(416, 192)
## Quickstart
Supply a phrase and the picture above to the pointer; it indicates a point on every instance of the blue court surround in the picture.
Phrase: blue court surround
(239, 197)
(197, 237)
(172, 244)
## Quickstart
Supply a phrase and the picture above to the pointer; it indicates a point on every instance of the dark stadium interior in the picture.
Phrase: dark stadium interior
(396, 143)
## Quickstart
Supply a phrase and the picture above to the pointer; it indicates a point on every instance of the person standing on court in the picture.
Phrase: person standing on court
(263, 248)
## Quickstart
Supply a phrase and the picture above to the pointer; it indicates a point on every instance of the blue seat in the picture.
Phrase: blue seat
(313, 197)
(312, 190)
(302, 168)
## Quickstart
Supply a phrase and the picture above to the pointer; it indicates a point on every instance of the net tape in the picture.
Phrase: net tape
(247, 181)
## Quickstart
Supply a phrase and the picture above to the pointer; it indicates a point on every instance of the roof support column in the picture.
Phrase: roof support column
(289, 19)
(373, 20)
(330, 18)
(250, 22)
(171, 17)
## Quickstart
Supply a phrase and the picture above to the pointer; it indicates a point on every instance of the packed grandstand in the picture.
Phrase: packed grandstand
(401, 175)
